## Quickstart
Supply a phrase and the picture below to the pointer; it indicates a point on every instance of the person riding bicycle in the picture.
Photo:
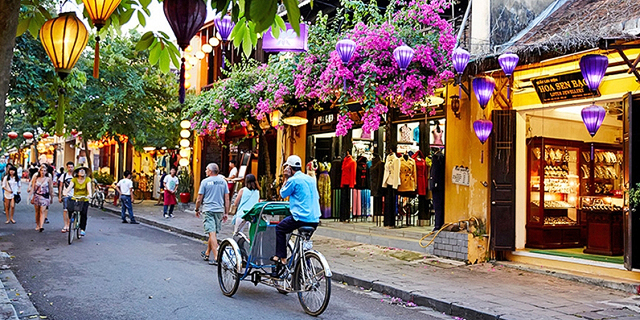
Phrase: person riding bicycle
(304, 204)
(81, 186)
(64, 181)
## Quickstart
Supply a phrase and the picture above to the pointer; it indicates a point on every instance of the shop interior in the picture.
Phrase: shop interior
(575, 184)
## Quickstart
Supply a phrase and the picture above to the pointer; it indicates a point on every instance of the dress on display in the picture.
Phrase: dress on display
(422, 173)
(348, 172)
(437, 137)
(362, 174)
(324, 189)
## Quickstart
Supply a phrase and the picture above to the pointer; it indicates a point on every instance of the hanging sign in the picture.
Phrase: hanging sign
(460, 175)
(287, 41)
(562, 87)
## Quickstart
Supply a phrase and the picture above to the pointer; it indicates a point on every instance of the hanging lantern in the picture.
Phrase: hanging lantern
(184, 162)
(185, 153)
(186, 18)
(99, 11)
(200, 55)
(225, 26)
(403, 56)
(12, 135)
(346, 48)
(63, 38)
(275, 117)
(206, 48)
(460, 59)
(295, 121)
(184, 143)
(508, 62)
(27, 135)
(593, 67)
(593, 116)
(214, 42)
(185, 124)
(483, 129)
(185, 133)
(483, 88)
(45, 135)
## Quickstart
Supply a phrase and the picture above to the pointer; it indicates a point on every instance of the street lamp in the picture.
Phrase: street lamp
(186, 18)
(99, 11)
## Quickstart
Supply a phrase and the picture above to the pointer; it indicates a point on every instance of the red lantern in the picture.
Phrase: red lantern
(13, 135)
(28, 135)
(45, 135)
(74, 132)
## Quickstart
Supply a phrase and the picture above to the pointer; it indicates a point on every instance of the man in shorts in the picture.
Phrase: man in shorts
(213, 198)
(63, 183)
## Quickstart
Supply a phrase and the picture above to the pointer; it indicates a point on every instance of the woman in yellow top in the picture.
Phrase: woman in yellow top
(81, 193)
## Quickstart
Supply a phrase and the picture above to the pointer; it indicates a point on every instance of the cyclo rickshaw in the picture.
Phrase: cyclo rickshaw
(242, 258)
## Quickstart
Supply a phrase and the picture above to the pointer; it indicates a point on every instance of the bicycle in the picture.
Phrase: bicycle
(98, 197)
(138, 196)
(74, 218)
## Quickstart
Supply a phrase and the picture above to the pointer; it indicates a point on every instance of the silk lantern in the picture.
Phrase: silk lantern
(460, 58)
(483, 87)
(593, 67)
(12, 135)
(593, 116)
(63, 38)
(508, 62)
(99, 11)
(345, 48)
(483, 129)
(403, 56)
(224, 25)
(186, 18)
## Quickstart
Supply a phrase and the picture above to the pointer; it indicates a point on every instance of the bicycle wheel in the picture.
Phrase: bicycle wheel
(138, 195)
(71, 226)
(77, 225)
(228, 276)
(312, 284)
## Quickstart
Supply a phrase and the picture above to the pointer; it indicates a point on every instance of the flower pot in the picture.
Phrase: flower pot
(185, 197)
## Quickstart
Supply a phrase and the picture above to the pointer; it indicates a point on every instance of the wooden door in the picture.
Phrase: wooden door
(631, 178)
(503, 166)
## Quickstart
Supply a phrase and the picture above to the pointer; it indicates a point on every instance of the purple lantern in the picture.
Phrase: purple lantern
(460, 59)
(403, 55)
(593, 116)
(483, 129)
(224, 26)
(345, 48)
(508, 62)
(483, 87)
(593, 67)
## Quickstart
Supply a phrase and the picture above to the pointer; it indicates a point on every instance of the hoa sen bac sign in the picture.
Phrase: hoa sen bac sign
(562, 87)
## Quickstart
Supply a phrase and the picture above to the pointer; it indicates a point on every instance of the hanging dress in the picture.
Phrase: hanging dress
(324, 189)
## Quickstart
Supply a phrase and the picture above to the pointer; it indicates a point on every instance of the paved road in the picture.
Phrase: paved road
(122, 271)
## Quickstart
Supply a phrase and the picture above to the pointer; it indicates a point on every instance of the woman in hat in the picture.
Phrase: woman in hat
(41, 188)
(81, 186)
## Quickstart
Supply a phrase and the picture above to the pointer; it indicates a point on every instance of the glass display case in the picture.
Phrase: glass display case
(554, 191)
(604, 224)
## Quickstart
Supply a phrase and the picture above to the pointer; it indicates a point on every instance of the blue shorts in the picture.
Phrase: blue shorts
(66, 203)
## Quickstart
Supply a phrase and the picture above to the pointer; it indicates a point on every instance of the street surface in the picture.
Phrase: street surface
(123, 271)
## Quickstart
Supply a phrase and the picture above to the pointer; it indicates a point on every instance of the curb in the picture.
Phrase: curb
(20, 307)
(449, 308)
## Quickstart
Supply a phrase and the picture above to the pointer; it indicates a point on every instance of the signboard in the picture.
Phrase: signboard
(460, 175)
(287, 41)
(562, 87)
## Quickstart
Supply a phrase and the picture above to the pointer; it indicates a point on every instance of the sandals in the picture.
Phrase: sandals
(65, 230)
(204, 256)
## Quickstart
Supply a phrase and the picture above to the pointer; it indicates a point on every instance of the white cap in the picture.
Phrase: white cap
(294, 161)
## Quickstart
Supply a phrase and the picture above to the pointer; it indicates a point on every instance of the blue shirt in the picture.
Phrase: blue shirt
(304, 200)
(213, 189)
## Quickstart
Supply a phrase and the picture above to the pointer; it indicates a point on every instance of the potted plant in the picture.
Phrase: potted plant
(185, 185)
(103, 178)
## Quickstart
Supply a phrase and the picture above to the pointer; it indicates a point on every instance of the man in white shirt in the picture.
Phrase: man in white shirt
(124, 188)
(170, 185)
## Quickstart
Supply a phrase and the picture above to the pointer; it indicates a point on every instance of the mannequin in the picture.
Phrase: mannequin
(437, 135)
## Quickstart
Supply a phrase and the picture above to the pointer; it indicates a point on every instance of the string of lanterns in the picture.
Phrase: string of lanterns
(185, 151)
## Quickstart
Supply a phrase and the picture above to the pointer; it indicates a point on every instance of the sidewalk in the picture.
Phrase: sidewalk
(15, 303)
(483, 291)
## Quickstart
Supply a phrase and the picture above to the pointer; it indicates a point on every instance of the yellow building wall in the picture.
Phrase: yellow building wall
(464, 149)
(196, 165)
(291, 141)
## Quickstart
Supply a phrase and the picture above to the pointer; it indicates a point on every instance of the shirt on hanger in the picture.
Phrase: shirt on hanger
(348, 172)
(391, 172)
(416, 134)
(405, 134)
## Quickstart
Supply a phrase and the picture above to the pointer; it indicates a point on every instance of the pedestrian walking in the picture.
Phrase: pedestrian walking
(304, 204)
(63, 182)
(213, 198)
(170, 184)
(11, 187)
(124, 187)
(247, 197)
(82, 191)
(40, 188)
(161, 191)
(20, 171)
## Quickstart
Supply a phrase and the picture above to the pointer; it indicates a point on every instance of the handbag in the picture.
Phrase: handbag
(233, 209)
(16, 197)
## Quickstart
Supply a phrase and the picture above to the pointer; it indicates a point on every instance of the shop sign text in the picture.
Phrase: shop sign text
(568, 86)
(460, 175)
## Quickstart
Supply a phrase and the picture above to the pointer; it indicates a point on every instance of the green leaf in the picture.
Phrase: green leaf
(221, 6)
(44, 12)
(145, 41)
(275, 30)
(235, 12)
(23, 26)
(175, 56)
(246, 44)
(154, 54)
(293, 13)
(126, 16)
(239, 29)
(164, 61)
(262, 13)
(141, 18)
(252, 33)
(280, 22)
(145, 3)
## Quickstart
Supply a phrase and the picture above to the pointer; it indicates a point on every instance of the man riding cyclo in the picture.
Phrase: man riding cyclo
(304, 204)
